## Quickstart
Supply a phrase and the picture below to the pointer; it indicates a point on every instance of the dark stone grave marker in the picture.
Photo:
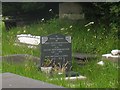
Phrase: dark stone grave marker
(56, 47)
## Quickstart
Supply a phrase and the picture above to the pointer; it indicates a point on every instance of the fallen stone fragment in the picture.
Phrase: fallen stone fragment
(76, 78)
(70, 78)
(115, 52)
(100, 63)
(111, 57)
(29, 39)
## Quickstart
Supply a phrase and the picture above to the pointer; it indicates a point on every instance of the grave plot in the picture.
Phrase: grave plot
(32, 71)
(56, 55)
(19, 58)
(56, 49)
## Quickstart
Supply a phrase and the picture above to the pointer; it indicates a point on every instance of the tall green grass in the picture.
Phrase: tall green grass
(0, 37)
(97, 76)
(0, 45)
(96, 39)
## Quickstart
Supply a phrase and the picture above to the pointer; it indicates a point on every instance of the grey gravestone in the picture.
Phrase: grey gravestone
(56, 47)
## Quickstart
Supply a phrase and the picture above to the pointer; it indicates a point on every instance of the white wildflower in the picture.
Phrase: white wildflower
(30, 46)
(100, 63)
(50, 10)
(24, 31)
(88, 30)
(62, 29)
(6, 18)
(90, 23)
(60, 73)
(42, 19)
(71, 26)
(94, 36)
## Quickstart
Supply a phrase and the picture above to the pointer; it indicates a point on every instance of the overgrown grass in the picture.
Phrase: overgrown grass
(97, 76)
(93, 39)
(96, 39)
(0, 45)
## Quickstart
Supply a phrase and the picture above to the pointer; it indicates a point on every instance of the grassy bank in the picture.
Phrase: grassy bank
(95, 38)
(97, 76)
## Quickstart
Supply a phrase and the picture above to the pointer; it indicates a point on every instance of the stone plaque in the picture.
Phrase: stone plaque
(57, 48)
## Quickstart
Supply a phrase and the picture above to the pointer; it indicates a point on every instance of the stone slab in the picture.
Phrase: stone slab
(10, 80)
(18, 58)
(80, 77)
(110, 57)
(83, 56)
(29, 39)
(23, 57)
